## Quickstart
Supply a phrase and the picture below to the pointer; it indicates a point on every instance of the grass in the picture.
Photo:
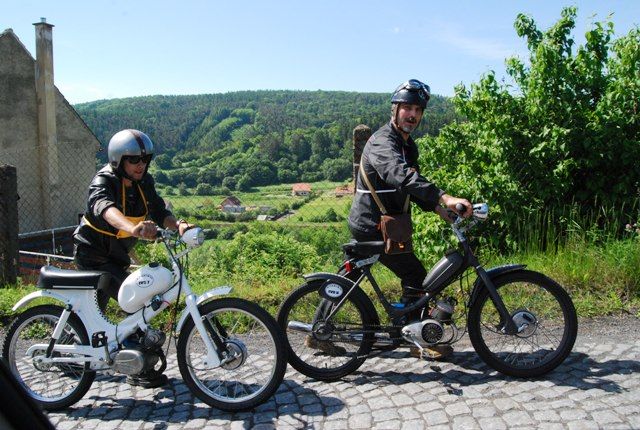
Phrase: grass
(602, 280)
(600, 272)
(321, 205)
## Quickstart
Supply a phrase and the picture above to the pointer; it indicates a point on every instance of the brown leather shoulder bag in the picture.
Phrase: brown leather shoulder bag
(396, 229)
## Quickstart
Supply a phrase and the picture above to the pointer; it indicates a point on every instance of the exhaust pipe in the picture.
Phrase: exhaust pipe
(300, 326)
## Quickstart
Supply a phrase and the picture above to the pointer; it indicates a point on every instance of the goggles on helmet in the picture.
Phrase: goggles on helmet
(423, 90)
(414, 85)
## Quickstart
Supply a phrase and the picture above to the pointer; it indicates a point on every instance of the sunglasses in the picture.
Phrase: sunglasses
(137, 159)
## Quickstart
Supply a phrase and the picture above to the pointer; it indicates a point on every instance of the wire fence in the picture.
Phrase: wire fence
(53, 187)
(52, 194)
(52, 184)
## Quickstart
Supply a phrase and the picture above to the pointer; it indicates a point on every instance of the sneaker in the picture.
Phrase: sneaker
(324, 345)
(433, 352)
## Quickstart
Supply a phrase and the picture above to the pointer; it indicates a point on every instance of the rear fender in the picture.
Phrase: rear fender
(36, 295)
(335, 287)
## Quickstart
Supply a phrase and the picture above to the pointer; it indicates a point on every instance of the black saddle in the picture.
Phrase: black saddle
(364, 249)
(53, 278)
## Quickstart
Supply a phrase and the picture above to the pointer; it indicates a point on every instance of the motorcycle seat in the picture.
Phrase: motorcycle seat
(364, 248)
(53, 278)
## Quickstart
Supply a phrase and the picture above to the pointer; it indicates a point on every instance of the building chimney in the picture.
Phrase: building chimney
(47, 133)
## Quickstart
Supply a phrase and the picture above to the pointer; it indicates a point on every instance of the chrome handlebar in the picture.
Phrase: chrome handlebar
(480, 213)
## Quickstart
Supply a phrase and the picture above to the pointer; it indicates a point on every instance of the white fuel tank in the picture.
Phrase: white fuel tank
(140, 286)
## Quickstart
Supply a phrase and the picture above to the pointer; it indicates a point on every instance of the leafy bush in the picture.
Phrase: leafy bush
(268, 254)
(560, 134)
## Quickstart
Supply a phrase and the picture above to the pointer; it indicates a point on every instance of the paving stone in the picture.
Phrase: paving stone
(546, 415)
(457, 409)
(435, 417)
(360, 421)
(596, 388)
(493, 423)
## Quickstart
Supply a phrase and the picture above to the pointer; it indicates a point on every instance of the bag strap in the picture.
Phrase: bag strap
(405, 209)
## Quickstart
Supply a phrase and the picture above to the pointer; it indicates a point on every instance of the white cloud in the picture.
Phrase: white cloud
(481, 47)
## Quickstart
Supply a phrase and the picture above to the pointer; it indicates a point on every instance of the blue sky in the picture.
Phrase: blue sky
(117, 48)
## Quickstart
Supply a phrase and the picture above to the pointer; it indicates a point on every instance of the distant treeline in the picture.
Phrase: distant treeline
(251, 138)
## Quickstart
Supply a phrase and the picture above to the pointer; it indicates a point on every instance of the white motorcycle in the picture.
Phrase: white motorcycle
(230, 351)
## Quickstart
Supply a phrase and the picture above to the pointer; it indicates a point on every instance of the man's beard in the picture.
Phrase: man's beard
(408, 127)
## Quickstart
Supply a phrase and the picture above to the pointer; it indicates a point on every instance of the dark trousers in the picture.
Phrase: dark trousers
(407, 267)
(118, 275)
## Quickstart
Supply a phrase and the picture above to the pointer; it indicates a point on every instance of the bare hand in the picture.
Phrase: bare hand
(184, 226)
(145, 230)
(451, 202)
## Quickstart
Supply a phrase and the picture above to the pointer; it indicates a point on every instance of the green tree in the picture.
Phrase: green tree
(163, 161)
(561, 132)
(204, 189)
(337, 169)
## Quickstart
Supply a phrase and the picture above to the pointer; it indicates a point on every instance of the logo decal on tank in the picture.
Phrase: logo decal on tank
(145, 281)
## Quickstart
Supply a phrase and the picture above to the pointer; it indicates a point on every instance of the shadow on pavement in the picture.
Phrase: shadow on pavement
(465, 369)
(292, 400)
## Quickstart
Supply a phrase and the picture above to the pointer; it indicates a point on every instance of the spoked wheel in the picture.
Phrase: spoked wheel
(326, 348)
(544, 315)
(253, 365)
(53, 385)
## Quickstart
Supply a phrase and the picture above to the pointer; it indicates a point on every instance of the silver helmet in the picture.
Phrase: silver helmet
(128, 143)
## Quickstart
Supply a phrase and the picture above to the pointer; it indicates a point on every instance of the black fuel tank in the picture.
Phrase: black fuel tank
(449, 266)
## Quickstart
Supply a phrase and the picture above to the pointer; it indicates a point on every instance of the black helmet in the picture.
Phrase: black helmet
(412, 92)
(128, 143)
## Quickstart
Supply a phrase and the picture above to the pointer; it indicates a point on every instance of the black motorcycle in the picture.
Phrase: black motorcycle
(520, 322)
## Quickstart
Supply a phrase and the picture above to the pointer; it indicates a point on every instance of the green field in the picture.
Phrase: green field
(278, 197)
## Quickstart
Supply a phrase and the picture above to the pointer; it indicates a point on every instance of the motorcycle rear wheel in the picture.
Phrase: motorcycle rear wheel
(324, 349)
(545, 315)
(53, 386)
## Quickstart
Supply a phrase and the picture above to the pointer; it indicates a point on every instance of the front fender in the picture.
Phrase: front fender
(493, 273)
(209, 295)
(37, 294)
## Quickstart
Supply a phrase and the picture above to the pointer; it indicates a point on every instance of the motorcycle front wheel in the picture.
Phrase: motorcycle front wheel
(321, 345)
(544, 316)
(254, 362)
(53, 385)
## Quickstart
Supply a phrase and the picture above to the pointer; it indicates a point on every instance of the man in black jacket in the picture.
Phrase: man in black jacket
(390, 161)
(122, 196)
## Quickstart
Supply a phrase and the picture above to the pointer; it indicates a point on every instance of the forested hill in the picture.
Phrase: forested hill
(252, 137)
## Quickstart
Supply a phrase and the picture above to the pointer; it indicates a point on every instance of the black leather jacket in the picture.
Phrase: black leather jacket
(95, 248)
(391, 165)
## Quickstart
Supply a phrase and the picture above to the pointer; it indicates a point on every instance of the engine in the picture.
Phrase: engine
(425, 332)
(141, 353)
(134, 361)
(432, 330)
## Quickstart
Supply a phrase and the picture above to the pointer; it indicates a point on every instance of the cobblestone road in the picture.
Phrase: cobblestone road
(597, 387)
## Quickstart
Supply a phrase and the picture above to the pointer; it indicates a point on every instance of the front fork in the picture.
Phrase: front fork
(509, 326)
(209, 335)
